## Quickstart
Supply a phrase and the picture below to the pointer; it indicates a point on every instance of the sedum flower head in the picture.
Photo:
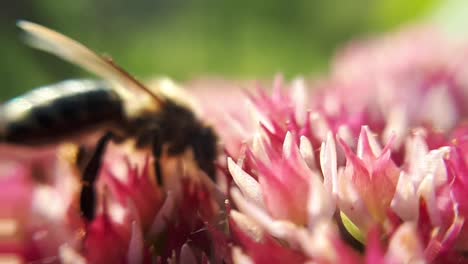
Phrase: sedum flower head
(368, 168)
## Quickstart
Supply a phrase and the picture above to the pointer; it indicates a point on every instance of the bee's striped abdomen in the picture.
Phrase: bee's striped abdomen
(56, 111)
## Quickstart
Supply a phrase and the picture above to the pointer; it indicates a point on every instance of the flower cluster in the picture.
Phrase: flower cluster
(366, 165)
(137, 220)
(369, 166)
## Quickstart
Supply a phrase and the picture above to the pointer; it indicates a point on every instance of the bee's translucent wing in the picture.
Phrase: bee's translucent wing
(70, 50)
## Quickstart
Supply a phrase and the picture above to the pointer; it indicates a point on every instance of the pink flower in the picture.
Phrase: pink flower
(403, 202)
(367, 183)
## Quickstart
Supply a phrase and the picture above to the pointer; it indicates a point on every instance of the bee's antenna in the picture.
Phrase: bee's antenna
(72, 51)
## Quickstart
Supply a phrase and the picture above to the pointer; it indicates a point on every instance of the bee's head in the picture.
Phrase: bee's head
(183, 130)
(185, 110)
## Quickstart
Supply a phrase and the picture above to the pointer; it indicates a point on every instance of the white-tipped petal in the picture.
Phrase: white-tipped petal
(247, 225)
(436, 165)
(416, 151)
(287, 145)
(328, 164)
(321, 203)
(258, 146)
(426, 190)
(307, 152)
(249, 187)
(299, 96)
(277, 228)
(405, 202)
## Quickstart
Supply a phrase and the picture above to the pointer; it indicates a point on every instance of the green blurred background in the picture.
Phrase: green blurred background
(186, 39)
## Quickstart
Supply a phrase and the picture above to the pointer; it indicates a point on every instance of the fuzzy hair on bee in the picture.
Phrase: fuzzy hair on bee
(118, 105)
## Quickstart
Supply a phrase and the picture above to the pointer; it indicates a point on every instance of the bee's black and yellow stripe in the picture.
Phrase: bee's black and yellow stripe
(54, 112)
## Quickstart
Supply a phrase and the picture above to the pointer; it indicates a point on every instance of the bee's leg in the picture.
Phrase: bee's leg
(152, 137)
(88, 191)
(157, 152)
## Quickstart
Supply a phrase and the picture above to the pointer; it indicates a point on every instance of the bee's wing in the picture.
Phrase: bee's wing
(72, 51)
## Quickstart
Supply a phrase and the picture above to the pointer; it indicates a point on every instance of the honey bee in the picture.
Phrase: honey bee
(119, 105)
